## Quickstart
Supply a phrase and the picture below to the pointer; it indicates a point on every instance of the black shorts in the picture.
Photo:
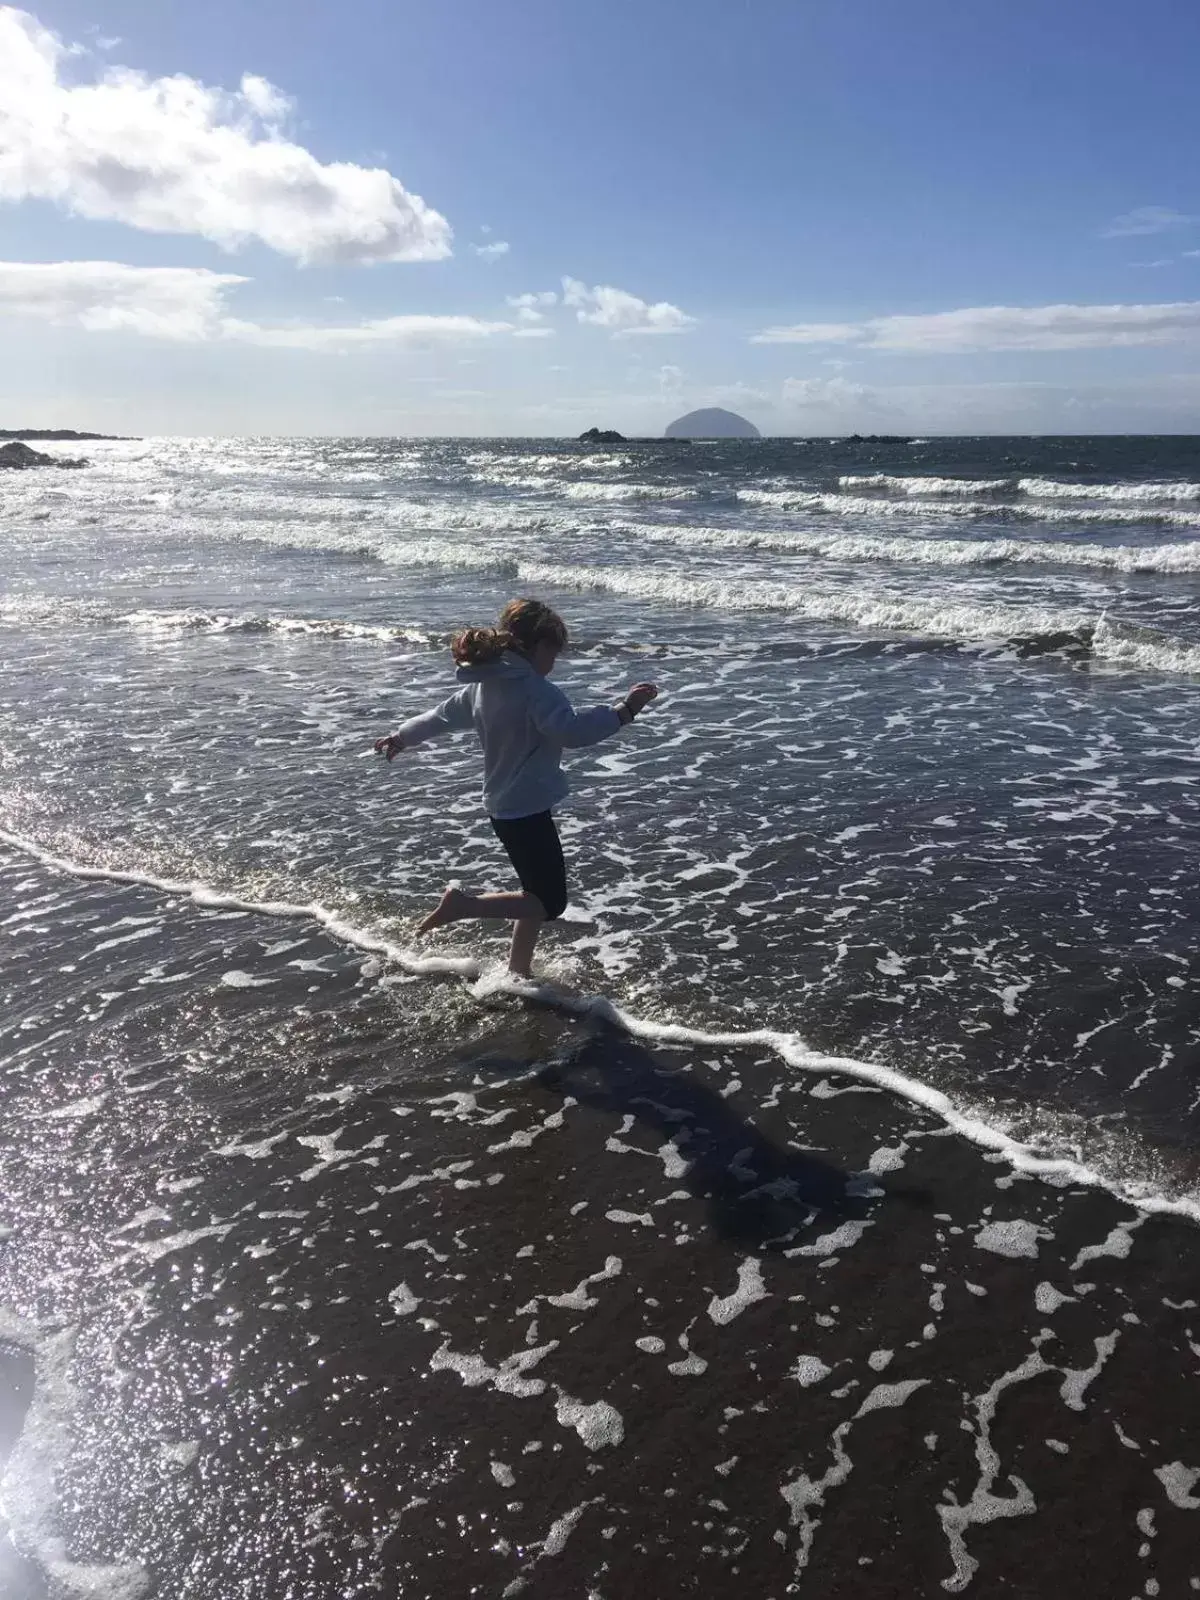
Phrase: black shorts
(534, 850)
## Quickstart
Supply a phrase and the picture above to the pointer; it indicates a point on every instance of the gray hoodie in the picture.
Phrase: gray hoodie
(524, 723)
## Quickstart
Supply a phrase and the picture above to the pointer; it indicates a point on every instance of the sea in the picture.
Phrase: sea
(916, 806)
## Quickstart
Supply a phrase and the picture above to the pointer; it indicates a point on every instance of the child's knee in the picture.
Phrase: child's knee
(554, 903)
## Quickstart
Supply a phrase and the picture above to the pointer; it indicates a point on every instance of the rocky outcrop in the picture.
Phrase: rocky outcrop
(602, 436)
(20, 456)
(42, 434)
(711, 423)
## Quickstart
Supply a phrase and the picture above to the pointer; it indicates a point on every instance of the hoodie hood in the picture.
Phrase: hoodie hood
(509, 665)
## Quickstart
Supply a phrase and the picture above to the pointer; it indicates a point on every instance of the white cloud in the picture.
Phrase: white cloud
(381, 330)
(529, 308)
(187, 304)
(622, 313)
(1147, 219)
(170, 155)
(1062, 327)
(835, 394)
(491, 252)
(183, 303)
(533, 333)
(809, 333)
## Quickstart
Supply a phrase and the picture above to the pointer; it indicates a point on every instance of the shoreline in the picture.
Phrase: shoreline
(486, 981)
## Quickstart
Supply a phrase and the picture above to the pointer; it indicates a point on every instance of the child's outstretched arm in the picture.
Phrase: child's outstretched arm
(556, 718)
(452, 716)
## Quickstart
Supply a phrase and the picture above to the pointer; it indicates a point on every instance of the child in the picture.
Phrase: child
(524, 723)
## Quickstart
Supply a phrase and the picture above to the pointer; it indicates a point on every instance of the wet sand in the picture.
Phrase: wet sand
(542, 1311)
(773, 1373)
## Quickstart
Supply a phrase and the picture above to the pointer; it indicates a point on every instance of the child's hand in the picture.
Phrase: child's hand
(390, 746)
(640, 696)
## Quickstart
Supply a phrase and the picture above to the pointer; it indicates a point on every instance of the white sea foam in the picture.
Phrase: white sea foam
(917, 486)
(939, 552)
(1144, 648)
(1179, 1481)
(843, 1237)
(629, 491)
(55, 612)
(750, 1288)
(1076, 1379)
(886, 1396)
(403, 1301)
(985, 1505)
(578, 1299)
(875, 506)
(1015, 1238)
(507, 1378)
(1118, 1243)
(790, 1047)
(1047, 1299)
(931, 616)
(807, 1370)
(28, 1495)
(598, 1424)
(1053, 489)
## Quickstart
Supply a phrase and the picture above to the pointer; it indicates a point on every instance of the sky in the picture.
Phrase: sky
(498, 219)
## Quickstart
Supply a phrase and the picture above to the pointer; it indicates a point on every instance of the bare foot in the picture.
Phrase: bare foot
(450, 908)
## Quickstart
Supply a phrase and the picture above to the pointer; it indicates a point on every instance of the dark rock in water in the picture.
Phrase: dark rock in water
(602, 436)
(20, 455)
(878, 438)
(712, 423)
(57, 433)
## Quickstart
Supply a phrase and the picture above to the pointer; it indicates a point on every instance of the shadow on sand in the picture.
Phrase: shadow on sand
(763, 1195)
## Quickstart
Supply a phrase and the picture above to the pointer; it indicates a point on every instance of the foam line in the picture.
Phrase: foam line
(210, 899)
(486, 981)
(1180, 556)
(843, 505)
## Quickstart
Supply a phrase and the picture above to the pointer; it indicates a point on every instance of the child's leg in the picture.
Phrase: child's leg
(534, 849)
(455, 906)
(524, 941)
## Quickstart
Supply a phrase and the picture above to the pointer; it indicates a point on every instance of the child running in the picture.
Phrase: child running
(524, 724)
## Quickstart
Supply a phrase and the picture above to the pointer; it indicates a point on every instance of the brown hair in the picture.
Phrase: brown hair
(524, 624)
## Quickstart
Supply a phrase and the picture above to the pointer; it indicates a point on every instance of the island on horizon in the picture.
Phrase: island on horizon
(711, 422)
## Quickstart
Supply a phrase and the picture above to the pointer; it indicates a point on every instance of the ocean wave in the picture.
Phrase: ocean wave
(1052, 489)
(869, 506)
(620, 492)
(902, 549)
(919, 485)
(50, 611)
(978, 1126)
(56, 612)
(863, 609)
(926, 485)
(919, 621)
(1129, 645)
(194, 621)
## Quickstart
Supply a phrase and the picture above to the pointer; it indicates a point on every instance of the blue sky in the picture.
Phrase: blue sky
(479, 218)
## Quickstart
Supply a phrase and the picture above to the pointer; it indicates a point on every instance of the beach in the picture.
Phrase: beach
(547, 1311)
(822, 1219)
